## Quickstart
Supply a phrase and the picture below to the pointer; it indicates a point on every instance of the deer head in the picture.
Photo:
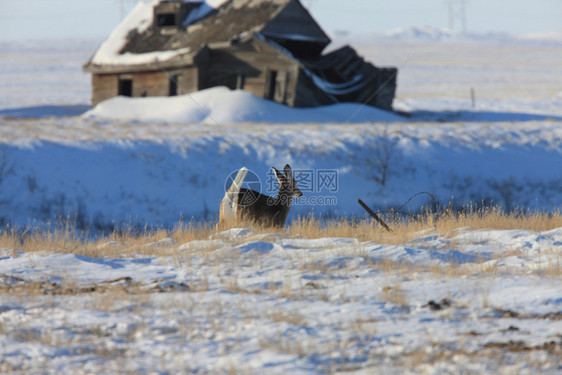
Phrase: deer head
(287, 185)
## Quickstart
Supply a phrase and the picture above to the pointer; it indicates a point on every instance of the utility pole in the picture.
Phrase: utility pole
(457, 12)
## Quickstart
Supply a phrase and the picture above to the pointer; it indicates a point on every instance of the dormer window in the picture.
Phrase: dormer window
(166, 19)
(170, 14)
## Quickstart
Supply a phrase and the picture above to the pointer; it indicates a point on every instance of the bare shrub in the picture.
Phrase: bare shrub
(379, 155)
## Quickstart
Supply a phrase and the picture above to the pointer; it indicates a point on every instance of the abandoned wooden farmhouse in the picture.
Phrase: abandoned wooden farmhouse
(271, 48)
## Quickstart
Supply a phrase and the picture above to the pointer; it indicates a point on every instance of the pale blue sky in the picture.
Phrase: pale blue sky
(36, 19)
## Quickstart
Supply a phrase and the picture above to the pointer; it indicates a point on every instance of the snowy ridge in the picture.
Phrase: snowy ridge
(555, 36)
(427, 34)
(153, 173)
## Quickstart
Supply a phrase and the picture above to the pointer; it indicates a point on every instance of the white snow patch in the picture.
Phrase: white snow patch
(234, 233)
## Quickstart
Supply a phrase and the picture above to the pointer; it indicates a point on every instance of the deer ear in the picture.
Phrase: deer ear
(288, 172)
(278, 174)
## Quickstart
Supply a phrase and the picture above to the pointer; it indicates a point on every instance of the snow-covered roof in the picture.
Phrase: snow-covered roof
(136, 42)
(140, 19)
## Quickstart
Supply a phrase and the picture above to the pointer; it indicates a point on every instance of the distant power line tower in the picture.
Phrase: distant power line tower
(457, 13)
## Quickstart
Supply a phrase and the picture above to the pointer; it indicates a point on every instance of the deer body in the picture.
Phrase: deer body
(242, 204)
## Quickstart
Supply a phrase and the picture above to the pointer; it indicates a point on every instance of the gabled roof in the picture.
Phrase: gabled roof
(136, 41)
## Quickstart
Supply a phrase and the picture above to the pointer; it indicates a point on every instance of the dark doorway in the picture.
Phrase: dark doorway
(125, 87)
(270, 84)
(173, 85)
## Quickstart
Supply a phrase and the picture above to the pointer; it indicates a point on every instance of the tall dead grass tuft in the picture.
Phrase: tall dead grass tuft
(53, 238)
(10, 239)
(192, 231)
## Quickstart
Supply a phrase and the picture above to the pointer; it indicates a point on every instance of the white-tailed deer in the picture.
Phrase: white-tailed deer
(240, 204)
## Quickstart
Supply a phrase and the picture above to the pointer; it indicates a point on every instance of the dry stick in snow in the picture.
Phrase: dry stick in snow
(374, 215)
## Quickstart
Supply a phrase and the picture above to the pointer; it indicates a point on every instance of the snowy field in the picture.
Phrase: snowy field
(466, 300)
(478, 301)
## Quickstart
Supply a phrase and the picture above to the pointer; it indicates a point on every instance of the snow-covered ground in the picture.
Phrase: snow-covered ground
(485, 301)
(41, 78)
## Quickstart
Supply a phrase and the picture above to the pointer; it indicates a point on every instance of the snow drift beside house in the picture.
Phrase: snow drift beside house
(219, 104)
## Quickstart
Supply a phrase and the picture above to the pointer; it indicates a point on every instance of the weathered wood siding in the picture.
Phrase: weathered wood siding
(155, 83)
(150, 84)
(250, 66)
(104, 86)
(189, 80)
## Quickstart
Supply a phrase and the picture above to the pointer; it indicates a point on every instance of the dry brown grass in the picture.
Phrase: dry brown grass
(395, 295)
(405, 230)
(64, 238)
(493, 354)
(294, 318)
